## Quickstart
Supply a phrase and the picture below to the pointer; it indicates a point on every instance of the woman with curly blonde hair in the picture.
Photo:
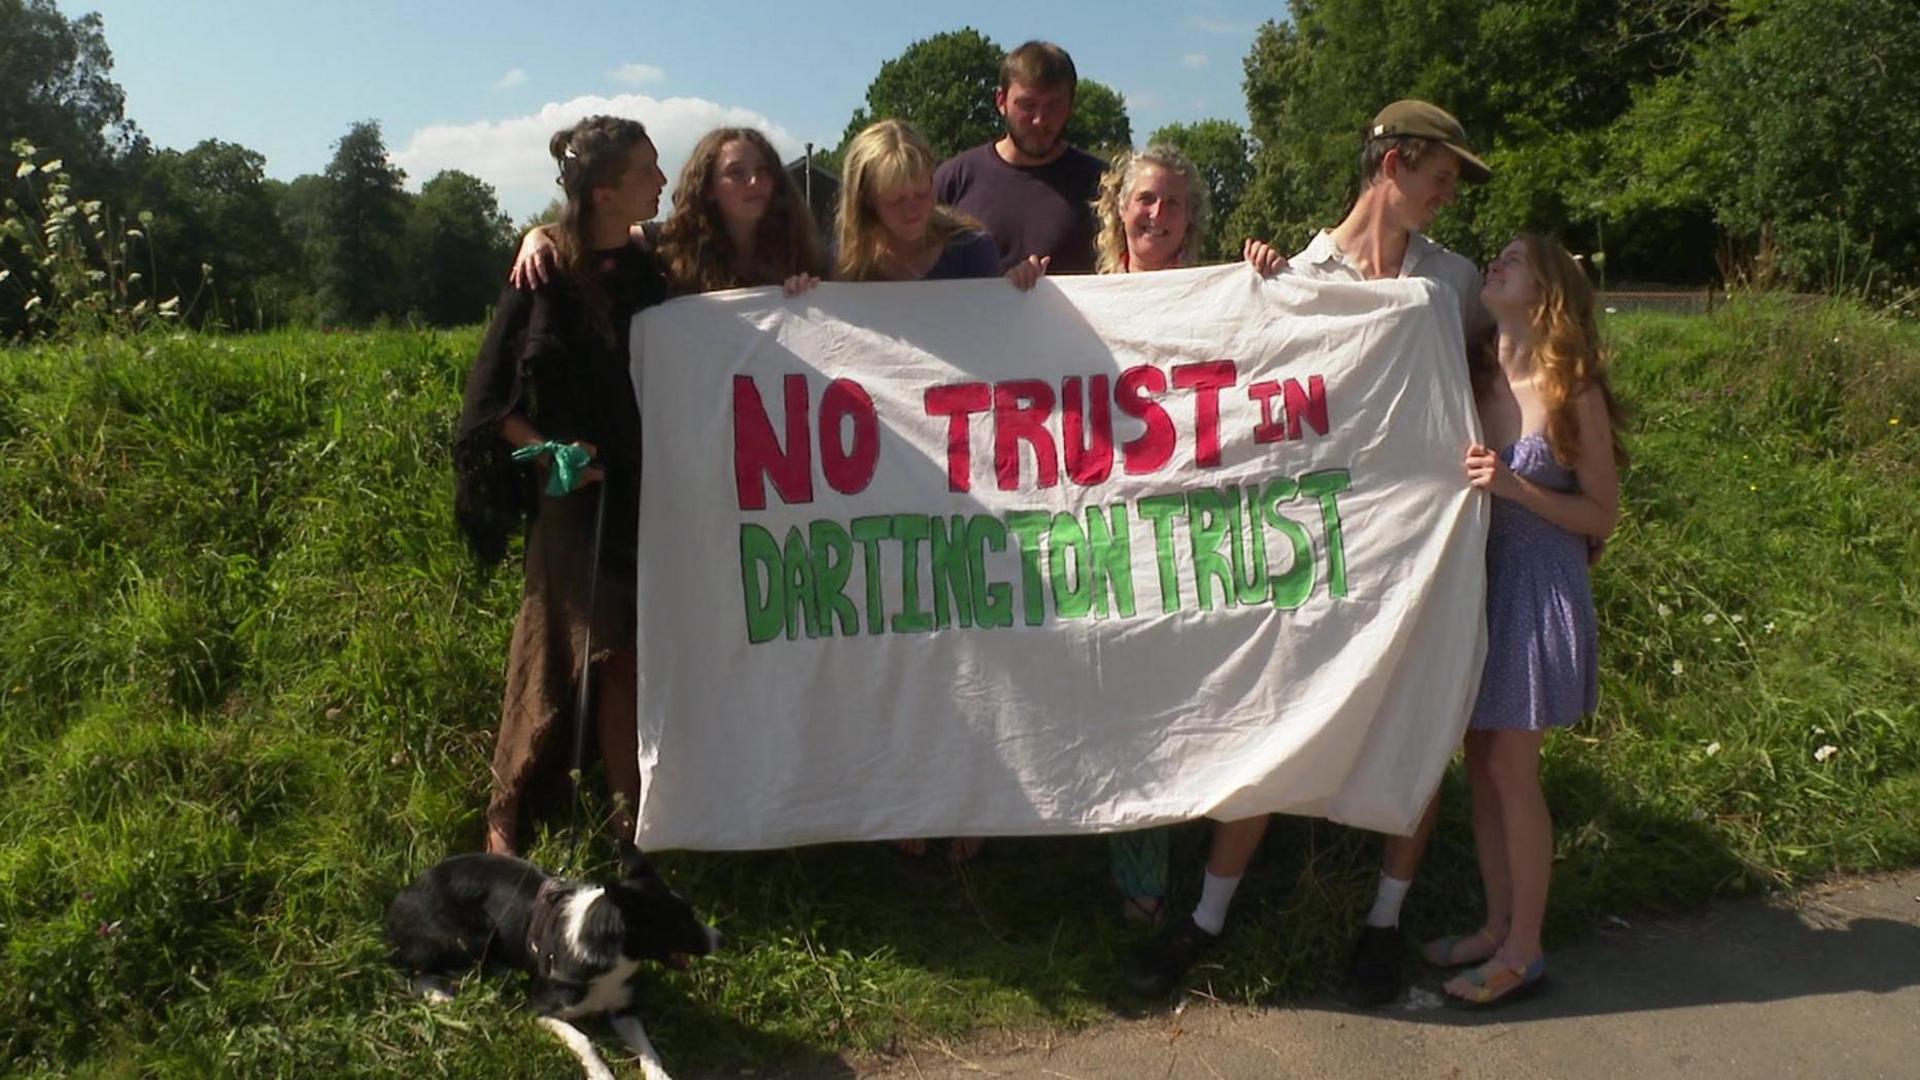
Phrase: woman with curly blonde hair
(1152, 208)
(1555, 481)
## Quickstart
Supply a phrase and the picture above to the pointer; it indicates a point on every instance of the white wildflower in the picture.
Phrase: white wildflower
(1825, 752)
(1713, 748)
(1663, 610)
(1736, 619)
(1768, 628)
(24, 170)
(1710, 618)
(1678, 668)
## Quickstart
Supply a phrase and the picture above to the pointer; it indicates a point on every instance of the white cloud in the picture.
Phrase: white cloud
(511, 154)
(1194, 60)
(637, 74)
(513, 77)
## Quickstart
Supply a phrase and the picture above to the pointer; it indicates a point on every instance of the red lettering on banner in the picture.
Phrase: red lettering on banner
(1088, 452)
(1206, 380)
(757, 454)
(848, 470)
(958, 402)
(1308, 403)
(1020, 411)
(1134, 394)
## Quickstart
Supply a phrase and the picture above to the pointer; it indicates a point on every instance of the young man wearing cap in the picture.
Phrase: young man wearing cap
(1414, 158)
(1032, 191)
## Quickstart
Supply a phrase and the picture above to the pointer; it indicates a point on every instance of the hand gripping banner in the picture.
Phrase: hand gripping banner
(932, 559)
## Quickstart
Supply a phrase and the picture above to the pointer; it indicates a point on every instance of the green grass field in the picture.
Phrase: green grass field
(248, 681)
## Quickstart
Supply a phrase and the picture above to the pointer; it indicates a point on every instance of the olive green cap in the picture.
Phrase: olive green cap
(1423, 120)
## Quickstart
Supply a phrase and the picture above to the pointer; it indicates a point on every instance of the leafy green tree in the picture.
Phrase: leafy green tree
(1535, 82)
(1798, 130)
(458, 246)
(943, 85)
(1220, 150)
(1099, 122)
(57, 92)
(214, 232)
(363, 214)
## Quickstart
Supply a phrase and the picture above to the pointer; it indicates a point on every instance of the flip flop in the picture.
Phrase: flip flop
(1496, 983)
(1445, 952)
(1143, 910)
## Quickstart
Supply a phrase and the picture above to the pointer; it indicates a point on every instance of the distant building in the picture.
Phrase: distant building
(820, 186)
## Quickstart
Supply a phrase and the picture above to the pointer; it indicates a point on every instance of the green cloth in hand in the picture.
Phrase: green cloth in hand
(568, 462)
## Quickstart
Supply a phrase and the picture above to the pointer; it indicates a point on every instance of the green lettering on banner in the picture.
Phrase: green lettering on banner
(1070, 600)
(1160, 509)
(799, 579)
(992, 601)
(764, 593)
(1291, 589)
(1324, 485)
(869, 531)
(1111, 568)
(1249, 547)
(1028, 526)
(1206, 527)
(910, 530)
(832, 554)
(952, 586)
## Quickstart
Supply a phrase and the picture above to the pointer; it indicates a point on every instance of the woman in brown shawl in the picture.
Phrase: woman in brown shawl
(553, 372)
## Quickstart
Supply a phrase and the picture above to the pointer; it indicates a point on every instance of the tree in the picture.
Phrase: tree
(1535, 83)
(1099, 122)
(56, 89)
(458, 244)
(1220, 150)
(942, 85)
(214, 232)
(1811, 168)
(363, 213)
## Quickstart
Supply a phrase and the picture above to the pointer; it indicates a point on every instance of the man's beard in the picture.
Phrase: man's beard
(1027, 147)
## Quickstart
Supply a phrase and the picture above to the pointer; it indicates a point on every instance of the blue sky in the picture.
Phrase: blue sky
(480, 85)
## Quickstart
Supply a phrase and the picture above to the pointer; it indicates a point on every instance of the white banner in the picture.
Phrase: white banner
(937, 559)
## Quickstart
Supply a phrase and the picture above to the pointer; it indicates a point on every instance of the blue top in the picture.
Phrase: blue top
(969, 254)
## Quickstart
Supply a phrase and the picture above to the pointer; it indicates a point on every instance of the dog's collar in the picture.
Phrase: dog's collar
(546, 909)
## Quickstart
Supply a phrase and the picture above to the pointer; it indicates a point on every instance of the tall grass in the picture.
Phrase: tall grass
(248, 681)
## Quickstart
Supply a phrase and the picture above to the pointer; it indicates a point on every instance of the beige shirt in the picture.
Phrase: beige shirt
(1425, 258)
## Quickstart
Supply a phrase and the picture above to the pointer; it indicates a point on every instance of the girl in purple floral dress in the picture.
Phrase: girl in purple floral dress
(1551, 464)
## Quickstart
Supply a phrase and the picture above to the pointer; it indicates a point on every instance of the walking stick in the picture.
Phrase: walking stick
(583, 700)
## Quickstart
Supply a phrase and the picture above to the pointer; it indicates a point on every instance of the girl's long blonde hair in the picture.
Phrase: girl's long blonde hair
(1116, 187)
(1567, 355)
(885, 157)
(694, 243)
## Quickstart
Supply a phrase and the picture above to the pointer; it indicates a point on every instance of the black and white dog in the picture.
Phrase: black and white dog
(582, 943)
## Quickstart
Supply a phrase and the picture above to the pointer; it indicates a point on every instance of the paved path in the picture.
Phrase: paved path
(1824, 984)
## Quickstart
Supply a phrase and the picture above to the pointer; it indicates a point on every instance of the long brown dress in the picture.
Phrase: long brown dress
(549, 357)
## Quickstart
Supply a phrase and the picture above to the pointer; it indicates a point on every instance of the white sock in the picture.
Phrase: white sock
(1386, 902)
(1216, 895)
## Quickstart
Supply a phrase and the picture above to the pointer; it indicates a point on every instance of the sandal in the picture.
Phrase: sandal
(1143, 910)
(1496, 982)
(1459, 950)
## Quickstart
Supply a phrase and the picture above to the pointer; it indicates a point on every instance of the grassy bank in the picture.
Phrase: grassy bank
(248, 681)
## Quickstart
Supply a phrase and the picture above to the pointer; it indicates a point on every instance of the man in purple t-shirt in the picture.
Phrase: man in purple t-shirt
(1031, 190)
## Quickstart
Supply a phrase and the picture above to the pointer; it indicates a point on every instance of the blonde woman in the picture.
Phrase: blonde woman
(1152, 212)
(1555, 484)
(890, 229)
